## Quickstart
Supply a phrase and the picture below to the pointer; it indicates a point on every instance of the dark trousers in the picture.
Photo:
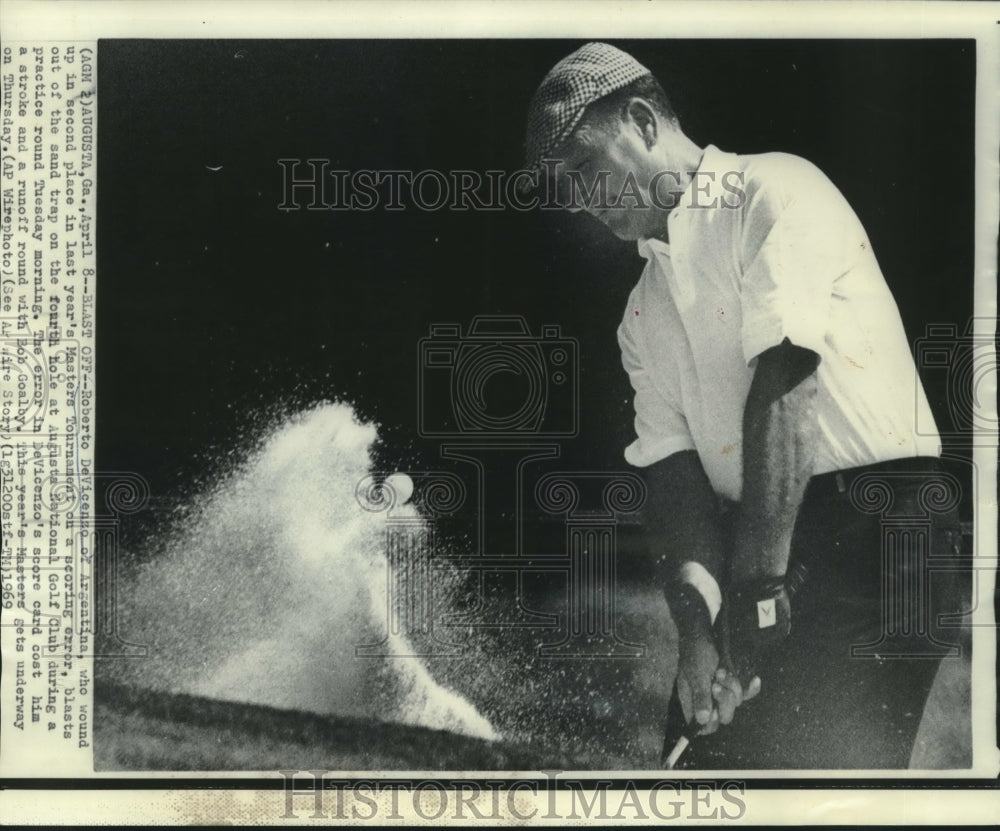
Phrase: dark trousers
(846, 689)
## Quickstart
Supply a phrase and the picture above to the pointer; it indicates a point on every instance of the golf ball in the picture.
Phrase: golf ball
(402, 487)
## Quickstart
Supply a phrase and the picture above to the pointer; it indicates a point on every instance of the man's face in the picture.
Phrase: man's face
(606, 171)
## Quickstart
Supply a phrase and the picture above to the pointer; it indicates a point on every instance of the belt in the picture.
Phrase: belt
(838, 482)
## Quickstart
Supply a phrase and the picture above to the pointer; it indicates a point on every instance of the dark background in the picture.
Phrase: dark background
(217, 312)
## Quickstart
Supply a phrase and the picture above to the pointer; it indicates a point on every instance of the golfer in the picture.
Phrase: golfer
(775, 397)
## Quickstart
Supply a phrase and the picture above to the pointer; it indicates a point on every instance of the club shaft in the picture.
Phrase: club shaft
(675, 754)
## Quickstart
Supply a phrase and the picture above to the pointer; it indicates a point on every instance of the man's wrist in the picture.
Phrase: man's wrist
(688, 609)
(759, 561)
(695, 574)
(759, 608)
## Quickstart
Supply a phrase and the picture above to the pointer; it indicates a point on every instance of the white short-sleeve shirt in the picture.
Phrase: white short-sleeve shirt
(763, 248)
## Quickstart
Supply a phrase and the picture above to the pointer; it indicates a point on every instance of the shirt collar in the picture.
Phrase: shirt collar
(650, 246)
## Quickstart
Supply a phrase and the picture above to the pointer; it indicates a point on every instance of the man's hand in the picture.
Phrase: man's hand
(758, 617)
(696, 667)
(709, 690)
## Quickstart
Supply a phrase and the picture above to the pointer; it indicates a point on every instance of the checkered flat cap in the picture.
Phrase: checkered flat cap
(578, 80)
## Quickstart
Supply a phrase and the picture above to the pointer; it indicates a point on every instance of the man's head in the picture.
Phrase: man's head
(610, 126)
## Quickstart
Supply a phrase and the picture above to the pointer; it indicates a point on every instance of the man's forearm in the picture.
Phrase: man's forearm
(779, 440)
(682, 522)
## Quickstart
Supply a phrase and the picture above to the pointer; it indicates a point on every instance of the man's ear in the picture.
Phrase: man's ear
(642, 117)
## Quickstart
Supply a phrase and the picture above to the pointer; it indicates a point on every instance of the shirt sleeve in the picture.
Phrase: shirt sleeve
(798, 236)
(660, 427)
